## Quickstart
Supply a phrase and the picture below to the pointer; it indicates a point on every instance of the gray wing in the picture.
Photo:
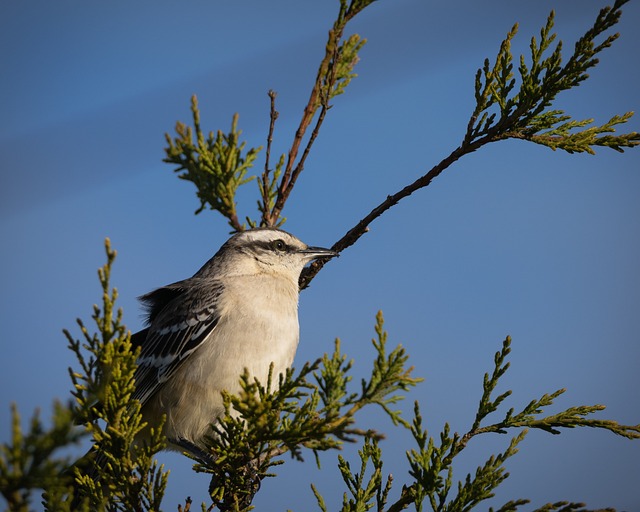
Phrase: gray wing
(181, 317)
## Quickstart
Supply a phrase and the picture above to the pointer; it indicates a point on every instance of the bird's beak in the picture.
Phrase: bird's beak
(318, 252)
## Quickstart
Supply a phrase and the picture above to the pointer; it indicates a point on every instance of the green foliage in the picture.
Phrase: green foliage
(313, 410)
(388, 376)
(431, 462)
(120, 472)
(500, 114)
(565, 506)
(29, 461)
(366, 492)
(215, 164)
(349, 8)
(571, 417)
(341, 69)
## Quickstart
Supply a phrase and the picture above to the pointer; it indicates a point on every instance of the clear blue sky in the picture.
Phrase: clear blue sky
(515, 239)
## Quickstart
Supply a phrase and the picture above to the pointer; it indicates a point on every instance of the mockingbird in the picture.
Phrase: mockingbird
(240, 310)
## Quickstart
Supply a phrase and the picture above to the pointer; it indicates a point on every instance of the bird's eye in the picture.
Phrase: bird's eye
(279, 245)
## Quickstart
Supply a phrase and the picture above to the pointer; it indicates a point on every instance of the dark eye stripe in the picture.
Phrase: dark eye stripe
(269, 245)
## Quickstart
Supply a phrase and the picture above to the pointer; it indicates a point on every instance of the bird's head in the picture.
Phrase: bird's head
(263, 250)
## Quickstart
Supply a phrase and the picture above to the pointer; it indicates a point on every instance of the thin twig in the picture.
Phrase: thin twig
(266, 214)
(292, 171)
(354, 234)
(234, 222)
(324, 108)
(300, 167)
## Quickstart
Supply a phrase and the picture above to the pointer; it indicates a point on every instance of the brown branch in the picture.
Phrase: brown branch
(300, 167)
(267, 217)
(471, 142)
(324, 108)
(234, 222)
(354, 234)
(325, 71)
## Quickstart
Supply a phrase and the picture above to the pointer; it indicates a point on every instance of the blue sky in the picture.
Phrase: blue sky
(514, 239)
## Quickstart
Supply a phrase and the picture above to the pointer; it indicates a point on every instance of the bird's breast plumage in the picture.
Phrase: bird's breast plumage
(257, 326)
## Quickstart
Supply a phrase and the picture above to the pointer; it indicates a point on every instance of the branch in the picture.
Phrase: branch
(499, 114)
(334, 74)
(214, 164)
(354, 234)
(268, 185)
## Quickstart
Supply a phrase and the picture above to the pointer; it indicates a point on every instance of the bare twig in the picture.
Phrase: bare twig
(325, 72)
(354, 234)
(235, 223)
(267, 216)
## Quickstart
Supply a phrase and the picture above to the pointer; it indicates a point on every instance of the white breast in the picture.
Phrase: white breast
(249, 335)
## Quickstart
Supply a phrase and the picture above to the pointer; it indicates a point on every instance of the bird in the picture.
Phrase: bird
(238, 312)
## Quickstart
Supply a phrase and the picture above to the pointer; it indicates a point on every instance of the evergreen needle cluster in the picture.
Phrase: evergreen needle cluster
(215, 164)
(31, 460)
(502, 113)
(431, 462)
(314, 409)
(118, 473)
